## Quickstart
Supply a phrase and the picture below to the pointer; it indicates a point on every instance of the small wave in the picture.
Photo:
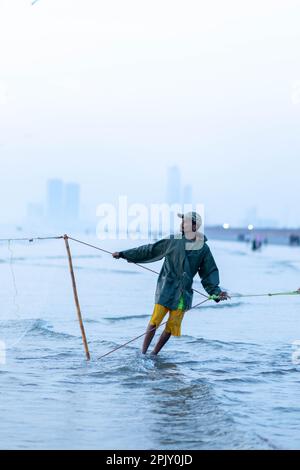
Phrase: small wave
(46, 357)
(231, 304)
(27, 324)
(189, 337)
(221, 305)
(279, 372)
(60, 355)
(124, 318)
(45, 328)
(287, 409)
(218, 343)
(188, 362)
(239, 380)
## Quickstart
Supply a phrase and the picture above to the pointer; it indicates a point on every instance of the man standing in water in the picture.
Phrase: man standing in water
(186, 254)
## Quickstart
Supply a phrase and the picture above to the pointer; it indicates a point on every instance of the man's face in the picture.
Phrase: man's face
(187, 226)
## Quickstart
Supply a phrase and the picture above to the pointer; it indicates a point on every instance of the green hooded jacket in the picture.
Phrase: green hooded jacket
(180, 266)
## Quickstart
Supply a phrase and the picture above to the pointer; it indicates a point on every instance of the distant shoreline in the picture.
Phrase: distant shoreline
(273, 236)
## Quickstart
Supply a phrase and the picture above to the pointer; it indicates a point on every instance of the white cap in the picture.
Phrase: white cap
(192, 216)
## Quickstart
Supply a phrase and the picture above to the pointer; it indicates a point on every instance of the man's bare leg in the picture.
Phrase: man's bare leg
(165, 336)
(151, 330)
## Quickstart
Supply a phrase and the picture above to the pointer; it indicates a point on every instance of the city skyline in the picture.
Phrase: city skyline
(110, 98)
(62, 203)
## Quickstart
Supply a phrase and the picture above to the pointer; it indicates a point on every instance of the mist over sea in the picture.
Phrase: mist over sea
(228, 383)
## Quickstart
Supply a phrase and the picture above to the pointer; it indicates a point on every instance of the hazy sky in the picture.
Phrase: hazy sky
(111, 93)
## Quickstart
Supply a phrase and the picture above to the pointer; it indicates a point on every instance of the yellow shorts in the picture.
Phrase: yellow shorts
(173, 325)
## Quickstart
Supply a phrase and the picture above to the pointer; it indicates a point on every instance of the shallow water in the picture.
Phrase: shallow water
(228, 383)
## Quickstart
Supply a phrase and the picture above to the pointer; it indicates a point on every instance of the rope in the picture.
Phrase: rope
(140, 336)
(266, 295)
(137, 264)
(29, 239)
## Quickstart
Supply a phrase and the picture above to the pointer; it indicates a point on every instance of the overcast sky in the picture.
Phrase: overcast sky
(111, 93)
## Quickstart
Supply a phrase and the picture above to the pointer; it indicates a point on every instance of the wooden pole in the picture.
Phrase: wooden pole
(66, 238)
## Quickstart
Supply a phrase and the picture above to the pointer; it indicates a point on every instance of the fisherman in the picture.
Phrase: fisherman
(186, 254)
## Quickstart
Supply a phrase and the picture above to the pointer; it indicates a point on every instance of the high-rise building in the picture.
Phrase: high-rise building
(72, 202)
(63, 201)
(55, 199)
(174, 185)
(187, 196)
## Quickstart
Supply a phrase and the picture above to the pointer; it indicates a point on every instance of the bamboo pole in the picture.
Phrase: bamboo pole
(66, 238)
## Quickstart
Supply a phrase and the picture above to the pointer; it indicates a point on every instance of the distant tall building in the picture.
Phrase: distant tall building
(72, 201)
(55, 199)
(174, 186)
(187, 197)
(63, 201)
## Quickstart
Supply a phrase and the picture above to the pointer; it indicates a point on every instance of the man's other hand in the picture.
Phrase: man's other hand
(224, 296)
(116, 255)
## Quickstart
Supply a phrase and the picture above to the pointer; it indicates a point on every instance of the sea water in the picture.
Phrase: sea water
(231, 381)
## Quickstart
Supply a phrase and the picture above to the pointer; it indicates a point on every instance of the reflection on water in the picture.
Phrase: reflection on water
(183, 413)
